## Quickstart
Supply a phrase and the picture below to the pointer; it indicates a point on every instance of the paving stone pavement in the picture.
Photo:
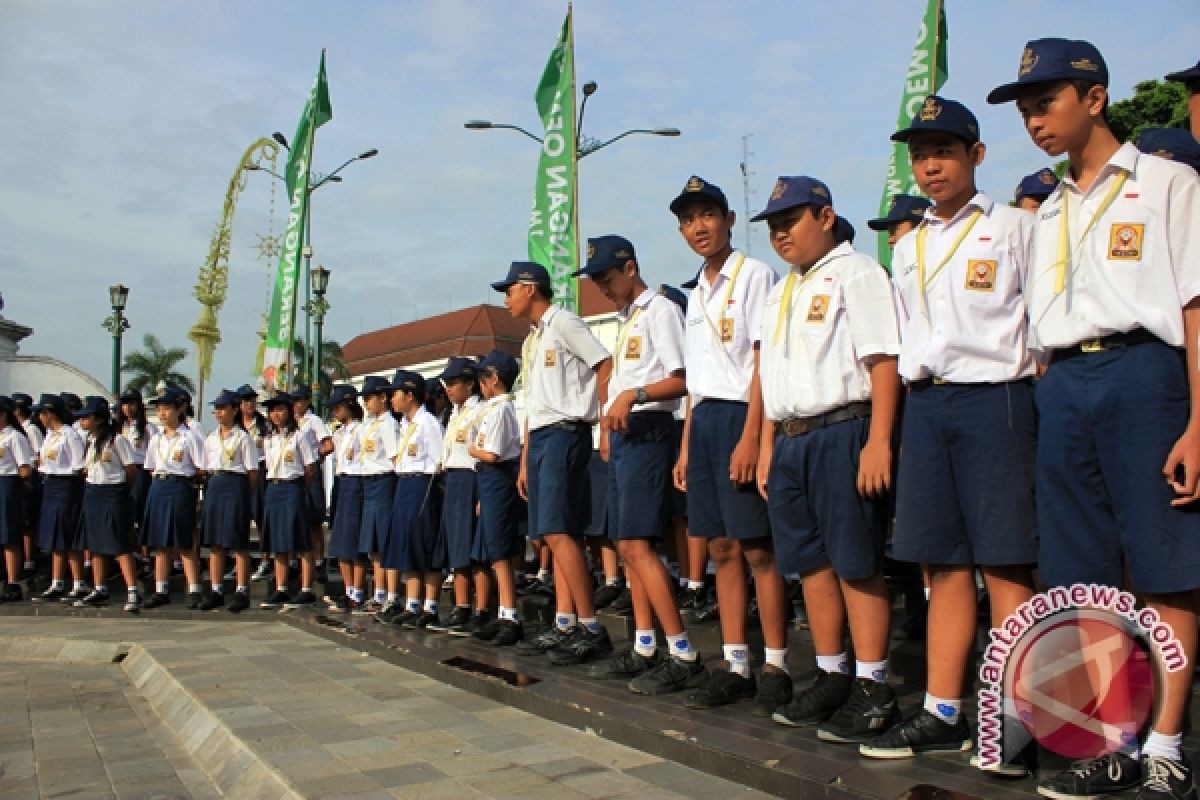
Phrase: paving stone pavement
(266, 710)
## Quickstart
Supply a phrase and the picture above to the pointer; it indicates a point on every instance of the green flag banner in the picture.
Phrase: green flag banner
(282, 322)
(553, 222)
(927, 71)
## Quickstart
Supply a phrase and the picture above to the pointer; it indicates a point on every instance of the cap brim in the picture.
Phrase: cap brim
(502, 286)
(881, 224)
(1184, 75)
(1006, 93)
(683, 200)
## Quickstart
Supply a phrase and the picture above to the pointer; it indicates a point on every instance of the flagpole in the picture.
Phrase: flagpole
(575, 157)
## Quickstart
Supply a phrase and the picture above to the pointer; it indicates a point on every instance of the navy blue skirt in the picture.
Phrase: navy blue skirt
(285, 519)
(458, 517)
(107, 521)
(170, 519)
(316, 494)
(347, 517)
(414, 544)
(12, 510)
(500, 510)
(379, 492)
(32, 503)
(139, 492)
(226, 521)
(58, 528)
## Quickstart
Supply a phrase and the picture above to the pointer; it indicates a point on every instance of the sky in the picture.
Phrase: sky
(125, 119)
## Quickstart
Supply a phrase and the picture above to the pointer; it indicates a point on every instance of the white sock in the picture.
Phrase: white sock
(543, 574)
(645, 643)
(944, 708)
(680, 646)
(776, 658)
(243, 590)
(161, 587)
(412, 603)
(872, 670)
(381, 596)
(80, 585)
(834, 664)
(29, 565)
(60, 585)
(564, 621)
(392, 597)
(431, 606)
(591, 623)
(694, 585)
(357, 595)
(926, 594)
(615, 580)
(195, 588)
(1164, 745)
(219, 588)
(507, 613)
(102, 589)
(738, 656)
(305, 589)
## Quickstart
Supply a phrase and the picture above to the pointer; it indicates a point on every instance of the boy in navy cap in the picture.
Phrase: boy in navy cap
(565, 373)
(720, 447)
(906, 213)
(1173, 144)
(1033, 189)
(830, 395)
(1114, 301)
(965, 477)
(1190, 78)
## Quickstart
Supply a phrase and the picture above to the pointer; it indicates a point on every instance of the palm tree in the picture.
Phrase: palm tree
(333, 364)
(155, 365)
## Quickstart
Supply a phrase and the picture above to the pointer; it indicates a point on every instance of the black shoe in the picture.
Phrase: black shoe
(70, 597)
(624, 666)
(691, 599)
(420, 621)
(213, 601)
(155, 600)
(816, 703)
(94, 599)
(774, 690)
(399, 615)
(276, 600)
(1111, 773)
(923, 732)
(51, 595)
(582, 646)
(710, 611)
(623, 604)
(548, 639)
(487, 631)
(605, 595)
(133, 601)
(870, 710)
(509, 633)
(238, 603)
(459, 617)
(11, 594)
(481, 619)
(321, 574)
(340, 604)
(544, 588)
(528, 587)
(194, 600)
(1166, 780)
(672, 674)
(720, 688)
(305, 599)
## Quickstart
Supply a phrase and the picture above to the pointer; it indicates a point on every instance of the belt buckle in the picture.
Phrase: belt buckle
(795, 427)
(938, 381)
(1092, 346)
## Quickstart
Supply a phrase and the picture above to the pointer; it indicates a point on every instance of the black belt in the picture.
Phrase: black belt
(569, 425)
(498, 464)
(459, 469)
(798, 426)
(225, 472)
(285, 480)
(162, 476)
(404, 475)
(377, 477)
(929, 383)
(1105, 343)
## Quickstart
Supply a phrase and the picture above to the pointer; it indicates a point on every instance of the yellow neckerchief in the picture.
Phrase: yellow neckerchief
(93, 454)
(369, 433)
(789, 285)
(165, 458)
(53, 441)
(227, 452)
(348, 432)
(408, 435)
(923, 232)
(287, 442)
(130, 432)
(528, 350)
(461, 419)
(733, 276)
(1062, 263)
(623, 333)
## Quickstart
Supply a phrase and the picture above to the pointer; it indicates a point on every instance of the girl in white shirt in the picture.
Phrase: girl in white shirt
(347, 508)
(16, 458)
(60, 461)
(231, 462)
(290, 459)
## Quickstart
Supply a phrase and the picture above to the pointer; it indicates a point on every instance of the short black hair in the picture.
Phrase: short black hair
(1083, 86)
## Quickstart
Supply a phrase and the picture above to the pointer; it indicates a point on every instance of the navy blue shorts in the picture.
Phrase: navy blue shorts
(715, 506)
(496, 536)
(226, 518)
(1107, 423)
(315, 492)
(347, 518)
(285, 518)
(678, 498)
(560, 490)
(600, 524)
(964, 486)
(458, 517)
(639, 477)
(817, 515)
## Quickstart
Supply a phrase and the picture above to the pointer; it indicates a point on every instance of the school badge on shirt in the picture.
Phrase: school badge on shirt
(981, 275)
(726, 331)
(289, 457)
(1125, 241)
(460, 437)
(550, 359)
(818, 308)
(412, 450)
(369, 447)
(633, 348)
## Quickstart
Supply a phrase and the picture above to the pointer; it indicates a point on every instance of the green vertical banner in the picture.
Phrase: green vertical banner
(281, 324)
(927, 71)
(553, 222)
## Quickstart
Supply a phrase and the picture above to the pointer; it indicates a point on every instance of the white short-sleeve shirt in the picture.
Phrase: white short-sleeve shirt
(35, 439)
(379, 444)
(814, 351)
(561, 378)
(649, 348)
(61, 453)
(315, 427)
(460, 432)
(420, 444)
(288, 453)
(1139, 264)
(345, 449)
(499, 433)
(234, 452)
(105, 466)
(972, 324)
(180, 452)
(15, 451)
(138, 443)
(722, 325)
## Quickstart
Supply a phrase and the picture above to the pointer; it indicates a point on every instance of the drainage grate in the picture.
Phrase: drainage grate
(491, 670)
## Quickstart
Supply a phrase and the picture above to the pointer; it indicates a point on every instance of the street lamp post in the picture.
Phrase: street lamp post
(319, 306)
(116, 324)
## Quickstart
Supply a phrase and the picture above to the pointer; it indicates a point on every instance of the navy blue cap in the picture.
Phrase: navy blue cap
(605, 253)
(375, 384)
(95, 405)
(91, 398)
(342, 393)
(184, 393)
(246, 392)
(171, 396)
(226, 398)
(1047, 60)
(697, 187)
(504, 364)
(408, 381)
(278, 399)
(71, 400)
(1185, 75)
(795, 190)
(1039, 184)
(434, 386)
(904, 208)
(302, 392)
(676, 296)
(1177, 144)
(939, 115)
(843, 231)
(52, 402)
(130, 396)
(22, 399)
(6, 404)
(459, 367)
(524, 272)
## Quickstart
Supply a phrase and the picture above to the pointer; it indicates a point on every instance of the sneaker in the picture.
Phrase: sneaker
(51, 595)
(448, 581)
(133, 602)
(606, 594)
(369, 608)
(479, 620)
(276, 600)
(402, 615)
(238, 603)
(486, 632)
(691, 599)
(419, 621)
(774, 690)
(548, 639)
(11, 594)
(1111, 773)
(458, 618)
(509, 633)
(305, 599)
(923, 732)
(721, 687)
(625, 665)
(340, 604)
(669, 675)
(818, 702)
(529, 587)
(623, 604)
(213, 601)
(194, 600)
(70, 597)
(582, 646)
(155, 600)
(1166, 780)
(94, 599)
(265, 570)
(870, 710)
(710, 611)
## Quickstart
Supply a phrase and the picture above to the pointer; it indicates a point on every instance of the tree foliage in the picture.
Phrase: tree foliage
(154, 365)
(1155, 104)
